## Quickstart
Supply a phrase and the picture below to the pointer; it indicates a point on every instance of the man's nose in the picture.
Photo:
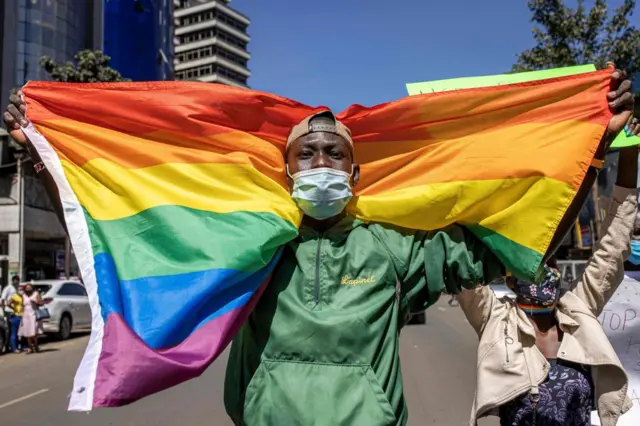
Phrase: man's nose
(321, 160)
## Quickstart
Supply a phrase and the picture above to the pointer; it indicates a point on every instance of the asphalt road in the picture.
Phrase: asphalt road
(438, 361)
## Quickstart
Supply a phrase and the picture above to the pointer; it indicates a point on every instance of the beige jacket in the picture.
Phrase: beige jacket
(510, 364)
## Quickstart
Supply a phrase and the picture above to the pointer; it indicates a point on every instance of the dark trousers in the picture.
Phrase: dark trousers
(14, 325)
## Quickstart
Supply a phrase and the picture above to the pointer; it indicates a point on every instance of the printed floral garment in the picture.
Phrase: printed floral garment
(566, 399)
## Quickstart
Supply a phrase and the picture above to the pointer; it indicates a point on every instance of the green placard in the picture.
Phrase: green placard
(623, 140)
(494, 80)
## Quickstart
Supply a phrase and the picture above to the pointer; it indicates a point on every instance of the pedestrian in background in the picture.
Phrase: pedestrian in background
(30, 327)
(16, 306)
(8, 291)
(544, 358)
(13, 320)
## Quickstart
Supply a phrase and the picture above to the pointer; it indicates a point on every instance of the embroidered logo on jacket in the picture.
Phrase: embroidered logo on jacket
(347, 280)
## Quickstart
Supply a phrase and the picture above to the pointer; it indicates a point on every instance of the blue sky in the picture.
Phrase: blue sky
(340, 52)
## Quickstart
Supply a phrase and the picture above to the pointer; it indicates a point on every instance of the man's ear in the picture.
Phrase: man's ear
(289, 180)
(355, 177)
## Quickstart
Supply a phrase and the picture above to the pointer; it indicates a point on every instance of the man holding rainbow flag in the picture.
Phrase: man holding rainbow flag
(320, 347)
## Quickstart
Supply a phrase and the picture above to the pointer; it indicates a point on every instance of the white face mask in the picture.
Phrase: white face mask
(321, 193)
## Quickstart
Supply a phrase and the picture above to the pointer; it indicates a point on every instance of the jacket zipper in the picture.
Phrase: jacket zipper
(534, 392)
(535, 398)
(316, 286)
(507, 339)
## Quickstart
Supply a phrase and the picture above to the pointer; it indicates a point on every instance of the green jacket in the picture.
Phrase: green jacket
(322, 345)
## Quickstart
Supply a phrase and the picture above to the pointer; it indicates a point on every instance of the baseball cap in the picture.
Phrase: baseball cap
(308, 125)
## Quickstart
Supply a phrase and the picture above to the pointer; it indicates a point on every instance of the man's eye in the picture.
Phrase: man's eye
(305, 154)
(337, 155)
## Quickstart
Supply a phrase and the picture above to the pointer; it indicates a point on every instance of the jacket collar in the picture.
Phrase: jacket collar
(564, 318)
(345, 226)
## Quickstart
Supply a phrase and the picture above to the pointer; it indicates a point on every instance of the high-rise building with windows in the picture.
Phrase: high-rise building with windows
(138, 36)
(211, 42)
(31, 29)
(30, 235)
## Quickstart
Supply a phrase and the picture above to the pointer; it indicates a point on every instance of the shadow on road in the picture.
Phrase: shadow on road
(45, 350)
(48, 343)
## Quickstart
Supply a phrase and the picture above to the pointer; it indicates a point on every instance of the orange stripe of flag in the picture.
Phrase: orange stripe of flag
(189, 109)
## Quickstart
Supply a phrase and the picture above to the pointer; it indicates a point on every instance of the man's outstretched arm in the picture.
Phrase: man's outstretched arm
(621, 102)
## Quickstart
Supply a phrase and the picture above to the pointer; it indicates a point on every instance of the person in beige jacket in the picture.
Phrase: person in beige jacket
(538, 365)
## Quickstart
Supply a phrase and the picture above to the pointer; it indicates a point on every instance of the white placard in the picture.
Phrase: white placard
(621, 321)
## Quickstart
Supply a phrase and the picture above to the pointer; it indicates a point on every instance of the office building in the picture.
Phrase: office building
(30, 234)
(31, 29)
(138, 36)
(211, 42)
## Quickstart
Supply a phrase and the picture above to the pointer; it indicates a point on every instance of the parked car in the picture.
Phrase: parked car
(4, 332)
(68, 306)
(570, 270)
(500, 289)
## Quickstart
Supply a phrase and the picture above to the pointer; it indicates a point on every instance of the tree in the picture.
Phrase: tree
(90, 67)
(566, 36)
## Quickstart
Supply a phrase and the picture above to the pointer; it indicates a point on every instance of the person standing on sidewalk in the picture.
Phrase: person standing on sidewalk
(7, 292)
(14, 317)
(17, 306)
(30, 327)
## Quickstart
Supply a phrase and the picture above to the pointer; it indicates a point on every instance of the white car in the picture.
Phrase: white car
(68, 305)
(500, 289)
(570, 270)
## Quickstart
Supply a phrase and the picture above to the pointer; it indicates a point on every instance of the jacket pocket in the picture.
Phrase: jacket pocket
(300, 393)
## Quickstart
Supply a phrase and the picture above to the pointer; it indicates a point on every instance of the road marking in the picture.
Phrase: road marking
(24, 398)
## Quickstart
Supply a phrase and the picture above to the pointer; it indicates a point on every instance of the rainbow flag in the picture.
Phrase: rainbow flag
(177, 207)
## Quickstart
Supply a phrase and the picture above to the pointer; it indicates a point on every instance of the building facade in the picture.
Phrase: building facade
(31, 29)
(30, 234)
(211, 43)
(31, 238)
(138, 36)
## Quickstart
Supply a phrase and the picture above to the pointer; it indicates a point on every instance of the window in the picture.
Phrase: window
(231, 74)
(47, 37)
(232, 57)
(232, 40)
(231, 22)
(72, 289)
(41, 288)
(4, 244)
(33, 33)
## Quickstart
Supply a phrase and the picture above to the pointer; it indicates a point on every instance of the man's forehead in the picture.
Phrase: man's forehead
(321, 138)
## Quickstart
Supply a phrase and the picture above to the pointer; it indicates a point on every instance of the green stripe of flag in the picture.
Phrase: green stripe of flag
(169, 240)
